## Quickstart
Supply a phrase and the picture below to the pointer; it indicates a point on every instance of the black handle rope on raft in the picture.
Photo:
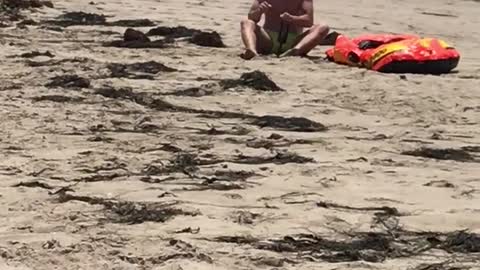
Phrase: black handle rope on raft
(282, 36)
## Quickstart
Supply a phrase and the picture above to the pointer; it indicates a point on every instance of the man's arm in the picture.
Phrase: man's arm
(258, 8)
(305, 20)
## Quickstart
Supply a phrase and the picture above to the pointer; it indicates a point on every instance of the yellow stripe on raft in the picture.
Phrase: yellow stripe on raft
(386, 50)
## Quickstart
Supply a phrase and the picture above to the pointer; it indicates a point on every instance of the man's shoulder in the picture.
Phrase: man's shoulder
(303, 1)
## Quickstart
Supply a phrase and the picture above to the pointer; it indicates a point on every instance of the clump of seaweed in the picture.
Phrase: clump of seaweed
(289, 123)
(461, 155)
(364, 246)
(68, 81)
(257, 80)
(130, 212)
(141, 70)
(198, 37)
(135, 39)
(82, 18)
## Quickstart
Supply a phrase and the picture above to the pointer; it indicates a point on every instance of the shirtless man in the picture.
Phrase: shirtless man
(280, 15)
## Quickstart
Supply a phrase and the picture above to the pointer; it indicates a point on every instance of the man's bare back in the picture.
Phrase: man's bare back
(283, 28)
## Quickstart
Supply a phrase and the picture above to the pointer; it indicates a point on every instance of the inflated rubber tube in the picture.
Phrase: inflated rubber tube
(395, 54)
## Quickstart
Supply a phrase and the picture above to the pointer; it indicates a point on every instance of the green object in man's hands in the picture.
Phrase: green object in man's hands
(283, 35)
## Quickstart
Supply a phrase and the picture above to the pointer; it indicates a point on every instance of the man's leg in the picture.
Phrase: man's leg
(255, 39)
(308, 40)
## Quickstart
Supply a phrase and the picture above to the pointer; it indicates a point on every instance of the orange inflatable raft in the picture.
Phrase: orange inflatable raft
(395, 54)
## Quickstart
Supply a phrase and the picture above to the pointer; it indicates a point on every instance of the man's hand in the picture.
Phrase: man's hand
(264, 7)
(304, 20)
(259, 7)
(287, 17)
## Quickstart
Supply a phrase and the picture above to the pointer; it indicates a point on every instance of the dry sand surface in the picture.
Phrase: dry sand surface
(180, 169)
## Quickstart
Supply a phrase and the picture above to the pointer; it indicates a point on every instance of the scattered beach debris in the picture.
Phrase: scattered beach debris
(216, 185)
(100, 138)
(100, 177)
(221, 180)
(440, 184)
(369, 247)
(24, 4)
(189, 163)
(208, 39)
(110, 92)
(183, 251)
(172, 32)
(76, 60)
(270, 261)
(439, 14)
(362, 246)
(10, 10)
(34, 184)
(6, 85)
(135, 35)
(130, 212)
(299, 124)
(78, 18)
(245, 217)
(461, 155)
(182, 162)
(273, 143)
(462, 242)
(241, 240)
(447, 265)
(192, 92)
(68, 81)
(235, 131)
(135, 39)
(189, 230)
(8, 15)
(167, 147)
(257, 80)
(229, 175)
(473, 149)
(141, 70)
(195, 36)
(36, 54)
(384, 211)
(280, 158)
(57, 98)
(132, 23)
(157, 44)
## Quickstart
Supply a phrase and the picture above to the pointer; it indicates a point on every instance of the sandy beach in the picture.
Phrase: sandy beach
(160, 158)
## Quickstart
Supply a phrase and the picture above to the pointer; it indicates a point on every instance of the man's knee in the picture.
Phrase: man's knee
(246, 24)
(320, 29)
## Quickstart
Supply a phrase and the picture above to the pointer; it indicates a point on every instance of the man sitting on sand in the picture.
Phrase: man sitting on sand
(283, 31)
